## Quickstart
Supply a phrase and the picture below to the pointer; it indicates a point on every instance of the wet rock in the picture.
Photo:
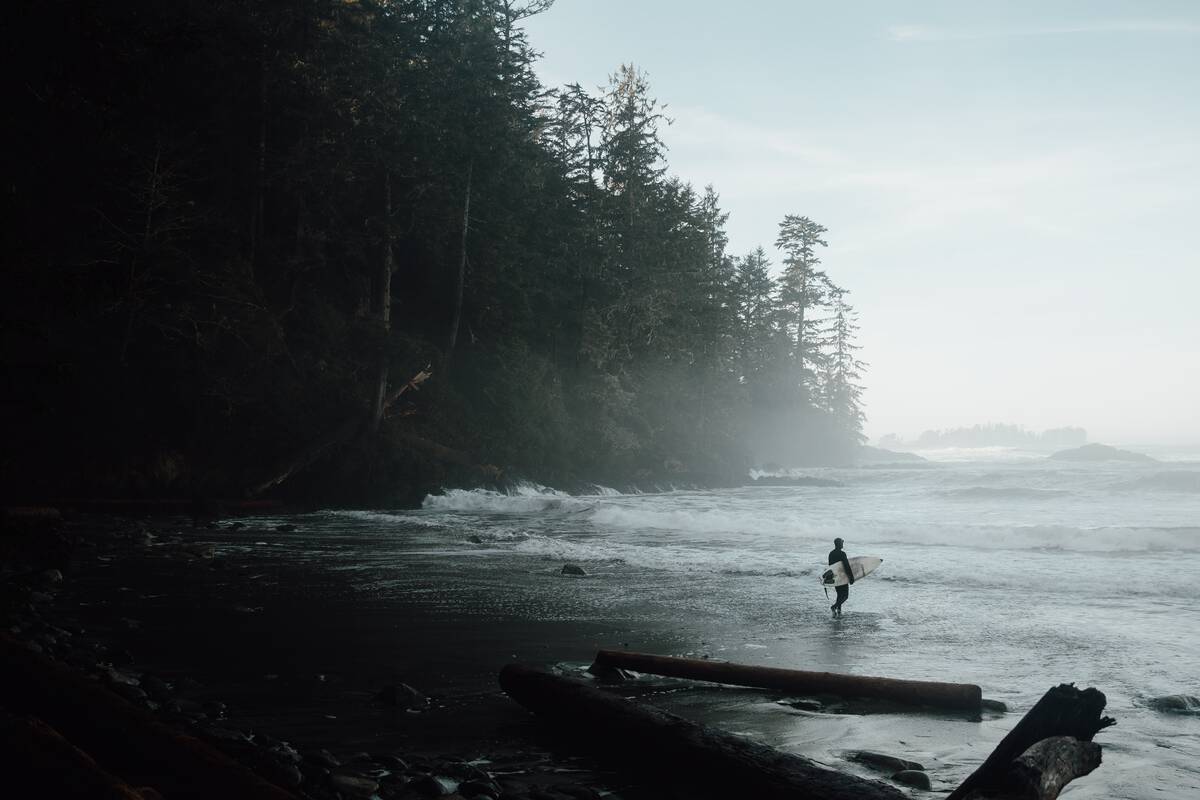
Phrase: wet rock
(913, 777)
(1176, 704)
(286, 528)
(882, 761)
(992, 705)
(50, 577)
(157, 688)
(321, 758)
(133, 694)
(476, 788)
(475, 539)
(401, 696)
(433, 786)
(199, 550)
(353, 785)
(802, 704)
(575, 790)
(572, 569)
(393, 762)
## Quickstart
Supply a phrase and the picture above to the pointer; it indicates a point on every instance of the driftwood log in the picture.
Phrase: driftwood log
(648, 737)
(36, 758)
(1051, 746)
(339, 435)
(124, 740)
(957, 696)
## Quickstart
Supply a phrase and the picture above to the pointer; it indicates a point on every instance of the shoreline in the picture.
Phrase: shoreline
(102, 614)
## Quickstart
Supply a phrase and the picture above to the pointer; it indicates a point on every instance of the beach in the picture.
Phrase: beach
(1016, 576)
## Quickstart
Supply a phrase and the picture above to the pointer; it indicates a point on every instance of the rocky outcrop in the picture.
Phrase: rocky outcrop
(1100, 452)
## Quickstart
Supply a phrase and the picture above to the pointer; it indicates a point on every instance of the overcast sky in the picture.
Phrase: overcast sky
(1012, 190)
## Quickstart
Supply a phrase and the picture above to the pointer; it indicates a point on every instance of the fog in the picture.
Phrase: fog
(1009, 192)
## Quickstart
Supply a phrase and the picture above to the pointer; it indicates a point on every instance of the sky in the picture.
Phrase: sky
(1012, 190)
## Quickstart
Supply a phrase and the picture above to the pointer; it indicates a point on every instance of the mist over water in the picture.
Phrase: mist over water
(1016, 575)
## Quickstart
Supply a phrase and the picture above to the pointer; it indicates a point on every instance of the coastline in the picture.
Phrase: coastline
(163, 622)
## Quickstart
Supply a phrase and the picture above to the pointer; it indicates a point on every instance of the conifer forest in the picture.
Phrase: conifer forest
(339, 250)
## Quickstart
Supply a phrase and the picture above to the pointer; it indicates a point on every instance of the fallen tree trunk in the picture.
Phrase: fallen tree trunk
(343, 433)
(33, 755)
(122, 738)
(957, 696)
(721, 763)
(1037, 756)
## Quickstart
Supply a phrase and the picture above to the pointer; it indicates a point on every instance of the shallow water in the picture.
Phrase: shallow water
(1016, 575)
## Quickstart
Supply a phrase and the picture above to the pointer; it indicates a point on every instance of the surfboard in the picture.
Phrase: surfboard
(860, 566)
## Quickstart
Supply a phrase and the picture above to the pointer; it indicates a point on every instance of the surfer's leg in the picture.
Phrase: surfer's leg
(843, 592)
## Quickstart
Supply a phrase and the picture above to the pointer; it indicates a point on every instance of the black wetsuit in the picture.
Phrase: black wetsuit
(837, 555)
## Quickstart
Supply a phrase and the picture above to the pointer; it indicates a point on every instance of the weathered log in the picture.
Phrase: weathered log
(37, 758)
(1063, 711)
(124, 739)
(1045, 769)
(957, 696)
(343, 433)
(647, 737)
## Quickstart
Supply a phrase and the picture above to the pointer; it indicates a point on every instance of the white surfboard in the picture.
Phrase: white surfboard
(860, 566)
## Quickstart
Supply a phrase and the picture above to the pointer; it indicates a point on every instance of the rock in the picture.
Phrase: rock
(1100, 452)
(157, 688)
(475, 788)
(572, 569)
(393, 762)
(286, 528)
(321, 758)
(1175, 704)
(802, 704)
(433, 786)
(199, 550)
(50, 577)
(401, 696)
(913, 777)
(475, 540)
(133, 694)
(882, 762)
(992, 705)
(575, 790)
(353, 785)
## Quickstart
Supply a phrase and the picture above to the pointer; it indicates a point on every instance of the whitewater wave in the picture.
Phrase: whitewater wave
(1181, 481)
(520, 499)
(386, 518)
(965, 454)
(1002, 493)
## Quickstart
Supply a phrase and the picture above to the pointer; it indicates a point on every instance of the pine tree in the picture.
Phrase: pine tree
(802, 288)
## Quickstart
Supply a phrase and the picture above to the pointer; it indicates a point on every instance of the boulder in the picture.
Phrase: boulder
(572, 569)
(882, 761)
(353, 785)
(1176, 704)
(913, 777)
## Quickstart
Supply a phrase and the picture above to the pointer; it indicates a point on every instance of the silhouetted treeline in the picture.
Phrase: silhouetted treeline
(992, 435)
(232, 227)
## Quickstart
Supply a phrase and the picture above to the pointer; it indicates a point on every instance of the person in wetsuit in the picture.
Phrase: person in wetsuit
(838, 555)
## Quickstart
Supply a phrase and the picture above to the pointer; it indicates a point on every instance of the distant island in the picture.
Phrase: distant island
(1101, 452)
(990, 435)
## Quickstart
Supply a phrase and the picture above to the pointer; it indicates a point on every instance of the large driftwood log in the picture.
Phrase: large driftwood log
(35, 757)
(1024, 763)
(122, 738)
(342, 433)
(723, 764)
(958, 696)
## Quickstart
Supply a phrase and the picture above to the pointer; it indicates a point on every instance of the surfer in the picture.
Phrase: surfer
(836, 555)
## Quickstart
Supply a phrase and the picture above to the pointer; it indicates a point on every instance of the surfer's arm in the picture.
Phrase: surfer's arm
(849, 572)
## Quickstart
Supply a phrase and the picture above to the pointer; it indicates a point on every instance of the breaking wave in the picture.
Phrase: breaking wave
(1180, 481)
(1002, 493)
(520, 499)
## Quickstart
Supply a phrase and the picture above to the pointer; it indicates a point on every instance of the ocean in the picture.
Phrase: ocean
(1000, 568)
